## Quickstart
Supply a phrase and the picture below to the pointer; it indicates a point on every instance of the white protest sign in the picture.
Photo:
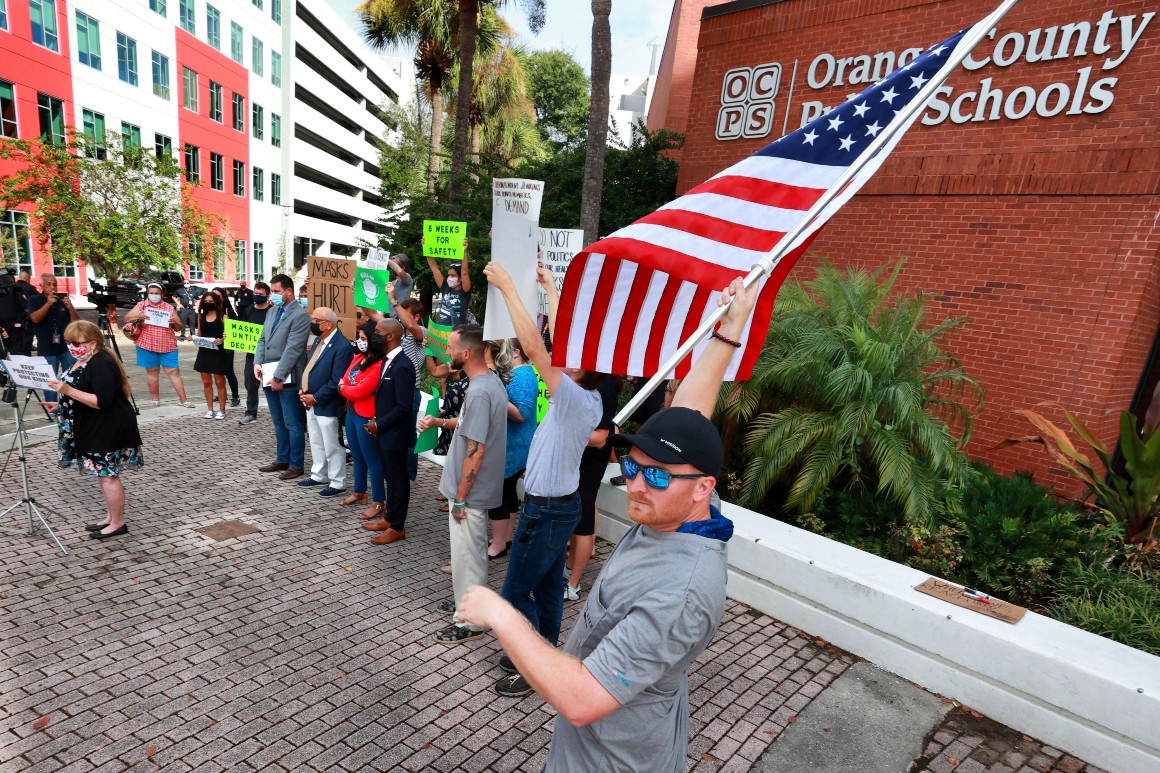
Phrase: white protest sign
(557, 248)
(377, 260)
(205, 342)
(156, 316)
(515, 232)
(29, 372)
(268, 373)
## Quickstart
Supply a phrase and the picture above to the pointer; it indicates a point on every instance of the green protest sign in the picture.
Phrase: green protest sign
(444, 239)
(429, 438)
(370, 288)
(437, 337)
(541, 396)
(242, 336)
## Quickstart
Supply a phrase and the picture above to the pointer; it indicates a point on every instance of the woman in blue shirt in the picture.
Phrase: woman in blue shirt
(523, 387)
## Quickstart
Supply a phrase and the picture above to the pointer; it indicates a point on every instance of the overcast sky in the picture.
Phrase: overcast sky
(635, 24)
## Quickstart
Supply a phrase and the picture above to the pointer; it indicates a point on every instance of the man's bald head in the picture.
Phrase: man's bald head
(391, 331)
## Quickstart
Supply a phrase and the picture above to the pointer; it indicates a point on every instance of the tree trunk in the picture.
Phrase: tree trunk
(436, 135)
(593, 188)
(475, 130)
(468, 23)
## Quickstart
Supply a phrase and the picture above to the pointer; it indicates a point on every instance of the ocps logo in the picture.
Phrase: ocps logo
(747, 95)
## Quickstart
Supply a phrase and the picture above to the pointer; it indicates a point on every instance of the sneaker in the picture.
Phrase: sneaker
(567, 573)
(331, 491)
(514, 686)
(507, 665)
(235, 402)
(247, 419)
(446, 606)
(453, 634)
(187, 404)
(619, 480)
(570, 593)
(219, 415)
(208, 415)
(310, 482)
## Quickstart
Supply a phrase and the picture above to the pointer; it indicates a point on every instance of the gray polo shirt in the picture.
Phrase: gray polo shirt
(483, 418)
(560, 440)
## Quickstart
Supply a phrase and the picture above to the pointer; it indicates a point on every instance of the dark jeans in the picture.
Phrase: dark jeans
(253, 387)
(232, 377)
(535, 577)
(289, 417)
(398, 487)
(364, 453)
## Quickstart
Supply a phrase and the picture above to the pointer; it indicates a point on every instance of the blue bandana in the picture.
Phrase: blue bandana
(716, 527)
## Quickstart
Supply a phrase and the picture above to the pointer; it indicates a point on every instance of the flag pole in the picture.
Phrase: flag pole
(766, 265)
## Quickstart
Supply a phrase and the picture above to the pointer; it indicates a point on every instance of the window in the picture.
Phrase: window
(94, 129)
(219, 258)
(240, 258)
(127, 59)
(215, 101)
(88, 40)
(158, 6)
(193, 163)
(236, 42)
(130, 136)
(15, 234)
(276, 10)
(213, 27)
(275, 130)
(275, 190)
(258, 186)
(259, 261)
(162, 146)
(185, 15)
(258, 4)
(8, 126)
(259, 122)
(276, 68)
(239, 113)
(239, 178)
(258, 55)
(217, 172)
(43, 13)
(3, 16)
(196, 259)
(160, 75)
(65, 271)
(189, 88)
(51, 118)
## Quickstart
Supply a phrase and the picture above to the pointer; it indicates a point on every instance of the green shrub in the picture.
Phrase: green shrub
(1122, 604)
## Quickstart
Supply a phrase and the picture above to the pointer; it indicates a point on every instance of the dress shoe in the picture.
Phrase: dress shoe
(116, 533)
(274, 467)
(380, 525)
(389, 536)
(95, 526)
(331, 491)
(311, 482)
(500, 554)
(291, 473)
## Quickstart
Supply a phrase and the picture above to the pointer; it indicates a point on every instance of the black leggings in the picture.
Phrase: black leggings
(511, 500)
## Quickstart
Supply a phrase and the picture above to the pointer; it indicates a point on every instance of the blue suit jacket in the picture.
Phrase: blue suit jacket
(395, 412)
(327, 373)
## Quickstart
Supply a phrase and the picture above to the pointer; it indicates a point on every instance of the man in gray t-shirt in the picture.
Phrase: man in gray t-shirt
(621, 682)
(472, 477)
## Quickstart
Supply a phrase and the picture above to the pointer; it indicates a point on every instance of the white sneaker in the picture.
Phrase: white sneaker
(208, 415)
(567, 573)
(219, 415)
(570, 593)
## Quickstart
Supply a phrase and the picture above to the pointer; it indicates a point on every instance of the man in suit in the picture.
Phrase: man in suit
(282, 346)
(325, 366)
(395, 430)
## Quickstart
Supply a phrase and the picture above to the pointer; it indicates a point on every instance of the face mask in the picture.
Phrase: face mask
(80, 351)
(377, 342)
(316, 328)
(259, 299)
(209, 306)
(277, 300)
(303, 302)
(155, 297)
(453, 282)
(361, 345)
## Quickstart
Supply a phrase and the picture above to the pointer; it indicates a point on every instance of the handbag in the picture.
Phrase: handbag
(132, 330)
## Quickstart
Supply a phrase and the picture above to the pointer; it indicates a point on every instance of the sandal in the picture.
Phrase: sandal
(440, 498)
(445, 509)
(376, 510)
(354, 499)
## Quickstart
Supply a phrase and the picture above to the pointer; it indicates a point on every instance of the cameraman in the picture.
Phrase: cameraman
(14, 315)
(50, 314)
(180, 297)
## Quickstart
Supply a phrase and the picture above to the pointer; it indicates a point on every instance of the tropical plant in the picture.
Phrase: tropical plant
(1131, 500)
(853, 390)
(119, 209)
(593, 186)
(1121, 603)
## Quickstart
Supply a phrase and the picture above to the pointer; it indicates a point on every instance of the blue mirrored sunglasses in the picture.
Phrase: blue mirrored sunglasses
(654, 477)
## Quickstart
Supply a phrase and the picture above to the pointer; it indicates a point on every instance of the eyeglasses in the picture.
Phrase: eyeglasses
(654, 477)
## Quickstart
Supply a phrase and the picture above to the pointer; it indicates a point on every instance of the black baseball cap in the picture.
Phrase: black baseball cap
(678, 436)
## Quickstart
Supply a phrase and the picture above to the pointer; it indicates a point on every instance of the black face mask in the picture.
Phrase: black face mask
(377, 342)
(316, 328)
(259, 299)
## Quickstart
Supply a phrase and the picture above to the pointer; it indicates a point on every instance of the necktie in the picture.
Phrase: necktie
(277, 319)
(318, 347)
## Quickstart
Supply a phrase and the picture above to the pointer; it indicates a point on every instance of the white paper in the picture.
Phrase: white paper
(205, 342)
(515, 232)
(29, 372)
(377, 260)
(557, 248)
(157, 317)
(268, 373)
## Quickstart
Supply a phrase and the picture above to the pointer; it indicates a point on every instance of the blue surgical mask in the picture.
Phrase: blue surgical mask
(277, 300)
(303, 302)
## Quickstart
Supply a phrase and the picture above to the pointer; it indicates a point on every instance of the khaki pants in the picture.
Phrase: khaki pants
(468, 555)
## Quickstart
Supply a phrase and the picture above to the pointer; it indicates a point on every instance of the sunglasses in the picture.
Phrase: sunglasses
(654, 477)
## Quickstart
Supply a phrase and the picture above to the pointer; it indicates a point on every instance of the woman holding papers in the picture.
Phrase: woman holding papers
(97, 423)
(212, 363)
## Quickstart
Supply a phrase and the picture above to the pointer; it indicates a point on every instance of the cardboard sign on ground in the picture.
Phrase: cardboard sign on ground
(957, 595)
(331, 284)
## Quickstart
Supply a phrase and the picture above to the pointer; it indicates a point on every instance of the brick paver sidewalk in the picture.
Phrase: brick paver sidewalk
(300, 646)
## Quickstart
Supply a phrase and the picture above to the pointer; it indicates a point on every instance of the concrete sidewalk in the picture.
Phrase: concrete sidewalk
(300, 646)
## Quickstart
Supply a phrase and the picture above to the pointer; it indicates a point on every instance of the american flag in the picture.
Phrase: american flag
(629, 300)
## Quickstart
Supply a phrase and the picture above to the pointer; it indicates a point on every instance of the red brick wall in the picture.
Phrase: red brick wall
(1044, 231)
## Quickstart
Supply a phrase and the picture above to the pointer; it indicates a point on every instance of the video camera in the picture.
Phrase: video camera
(101, 296)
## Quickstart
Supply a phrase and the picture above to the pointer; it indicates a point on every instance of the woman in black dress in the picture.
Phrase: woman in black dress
(97, 423)
(229, 312)
(212, 364)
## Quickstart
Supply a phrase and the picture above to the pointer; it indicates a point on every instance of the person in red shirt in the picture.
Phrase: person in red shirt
(358, 386)
(157, 344)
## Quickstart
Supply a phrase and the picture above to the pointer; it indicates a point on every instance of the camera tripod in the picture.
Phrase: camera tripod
(27, 502)
(111, 339)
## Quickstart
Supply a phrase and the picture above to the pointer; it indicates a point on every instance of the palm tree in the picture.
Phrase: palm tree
(469, 12)
(593, 188)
